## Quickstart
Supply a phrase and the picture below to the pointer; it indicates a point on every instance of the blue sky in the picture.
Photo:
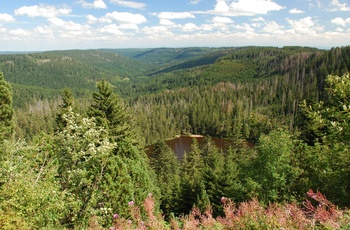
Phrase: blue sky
(27, 25)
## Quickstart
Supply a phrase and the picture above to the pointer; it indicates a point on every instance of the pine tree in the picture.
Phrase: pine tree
(6, 110)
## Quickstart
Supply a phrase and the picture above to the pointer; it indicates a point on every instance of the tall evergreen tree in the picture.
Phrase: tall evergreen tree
(166, 166)
(6, 110)
(191, 179)
(111, 113)
(67, 101)
(128, 156)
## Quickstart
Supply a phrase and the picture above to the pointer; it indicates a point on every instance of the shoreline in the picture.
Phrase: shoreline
(189, 135)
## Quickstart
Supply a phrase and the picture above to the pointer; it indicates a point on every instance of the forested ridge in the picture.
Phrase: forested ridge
(75, 124)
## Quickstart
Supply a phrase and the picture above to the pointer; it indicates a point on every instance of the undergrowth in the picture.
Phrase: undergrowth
(315, 213)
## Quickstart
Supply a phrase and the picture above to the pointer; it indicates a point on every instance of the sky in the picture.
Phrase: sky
(38, 25)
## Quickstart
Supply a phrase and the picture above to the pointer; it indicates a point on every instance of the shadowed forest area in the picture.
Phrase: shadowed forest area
(75, 126)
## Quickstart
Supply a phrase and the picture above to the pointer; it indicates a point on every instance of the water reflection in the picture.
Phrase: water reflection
(183, 143)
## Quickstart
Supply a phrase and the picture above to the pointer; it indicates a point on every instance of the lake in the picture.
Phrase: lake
(183, 143)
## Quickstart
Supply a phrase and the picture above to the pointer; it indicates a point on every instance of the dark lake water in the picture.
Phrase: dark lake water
(183, 143)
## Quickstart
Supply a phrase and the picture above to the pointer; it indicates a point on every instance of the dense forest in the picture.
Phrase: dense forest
(75, 125)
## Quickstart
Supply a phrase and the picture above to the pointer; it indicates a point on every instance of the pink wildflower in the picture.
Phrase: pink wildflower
(223, 199)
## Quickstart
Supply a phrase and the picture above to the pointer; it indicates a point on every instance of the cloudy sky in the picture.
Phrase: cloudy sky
(82, 24)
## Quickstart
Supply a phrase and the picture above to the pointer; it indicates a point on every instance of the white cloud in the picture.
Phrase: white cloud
(124, 17)
(256, 24)
(303, 26)
(194, 2)
(259, 19)
(339, 30)
(97, 4)
(296, 11)
(340, 21)
(218, 19)
(112, 29)
(6, 18)
(189, 27)
(244, 7)
(19, 32)
(245, 27)
(155, 29)
(337, 6)
(157, 33)
(68, 25)
(130, 4)
(166, 22)
(56, 22)
(252, 7)
(45, 11)
(207, 27)
(175, 15)
(273, 28)
(91, 19)
(128, 26)
(46, 30)
(221, 6)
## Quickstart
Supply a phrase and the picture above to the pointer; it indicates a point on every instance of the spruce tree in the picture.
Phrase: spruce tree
(213, 174)
(128, 174)
(166, 166)
(67, 101)
(6, 110)
(111, 113)
(191, 178)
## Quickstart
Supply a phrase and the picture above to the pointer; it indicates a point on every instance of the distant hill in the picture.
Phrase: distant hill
(142, 71)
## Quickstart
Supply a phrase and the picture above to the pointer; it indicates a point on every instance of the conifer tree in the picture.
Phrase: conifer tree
(191, 178)
(67, 101)
(6, 110)
(128, 175)
(213, 174)
(111, 113)
(166, 166)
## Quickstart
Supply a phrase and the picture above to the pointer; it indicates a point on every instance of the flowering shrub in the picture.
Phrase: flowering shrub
(247, 215)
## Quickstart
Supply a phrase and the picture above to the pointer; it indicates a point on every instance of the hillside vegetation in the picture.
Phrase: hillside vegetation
(74, 127)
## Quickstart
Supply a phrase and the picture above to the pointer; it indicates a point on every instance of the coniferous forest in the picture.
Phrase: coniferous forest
(76, 129)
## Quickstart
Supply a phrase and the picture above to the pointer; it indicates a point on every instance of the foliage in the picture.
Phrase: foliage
(82, 153)
(273, 169)
(192, 185)
(329, 120)
(67, 102)
(30, 196)
(110, 112)
(94, 167)
(6, 110)
(246, 215)
(167, 169)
